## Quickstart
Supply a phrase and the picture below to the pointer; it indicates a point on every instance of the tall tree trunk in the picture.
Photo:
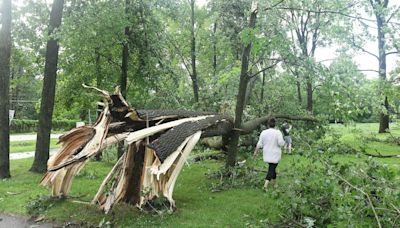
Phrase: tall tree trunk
(298, 85)
(48, 92)
(5, 55)
(261, 110)
(309, 96)
(193, 55)
(98, 85)
(124, 67)
(215, 49)
(380, 19)
(240, 99)
(384, 118)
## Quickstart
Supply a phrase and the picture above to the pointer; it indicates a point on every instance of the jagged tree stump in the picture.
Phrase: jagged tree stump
(158, 144)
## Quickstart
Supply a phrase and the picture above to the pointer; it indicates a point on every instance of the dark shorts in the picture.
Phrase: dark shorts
(288, 140)
(271, 175)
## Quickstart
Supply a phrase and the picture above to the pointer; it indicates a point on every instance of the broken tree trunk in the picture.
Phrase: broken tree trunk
(158, 144)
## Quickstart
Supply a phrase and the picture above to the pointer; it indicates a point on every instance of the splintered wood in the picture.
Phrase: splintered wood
(157, 144)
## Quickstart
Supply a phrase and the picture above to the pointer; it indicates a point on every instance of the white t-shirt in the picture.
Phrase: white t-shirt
(270, 141)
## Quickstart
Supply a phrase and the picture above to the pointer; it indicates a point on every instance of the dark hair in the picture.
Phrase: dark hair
(272, 122)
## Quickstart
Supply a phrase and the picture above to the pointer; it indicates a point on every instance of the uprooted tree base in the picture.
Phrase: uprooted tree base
(157, 144)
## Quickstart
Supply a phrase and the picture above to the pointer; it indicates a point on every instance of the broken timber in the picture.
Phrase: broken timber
(158, 144)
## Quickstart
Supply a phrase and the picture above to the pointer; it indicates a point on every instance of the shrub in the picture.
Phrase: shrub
(330, 193)
(26, 126)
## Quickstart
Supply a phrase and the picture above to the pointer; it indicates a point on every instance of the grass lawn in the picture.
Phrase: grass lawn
(353, 135)
(196, 205)
(29, 145)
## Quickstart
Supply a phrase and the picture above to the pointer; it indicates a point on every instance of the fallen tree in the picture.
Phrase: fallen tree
(157, 144)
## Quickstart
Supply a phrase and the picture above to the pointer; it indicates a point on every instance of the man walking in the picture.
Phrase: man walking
(270, 141)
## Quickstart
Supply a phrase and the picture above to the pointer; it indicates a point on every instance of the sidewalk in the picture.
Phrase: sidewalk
(14, 138)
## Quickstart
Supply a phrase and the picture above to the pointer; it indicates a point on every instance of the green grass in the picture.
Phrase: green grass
(196, 205)
(29, 145)
(195, 202)
(353, 135)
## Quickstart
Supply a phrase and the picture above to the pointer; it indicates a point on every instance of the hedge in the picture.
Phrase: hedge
(26, 126)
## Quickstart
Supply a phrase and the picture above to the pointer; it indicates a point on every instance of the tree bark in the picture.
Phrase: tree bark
(99, 85)
(384, 118)
(309, 96)
(240, 99)
(124, 67)
(5, 55)
(215, 49)
(48, 92)
(298, 85)
(193, 55)
(135, 175)
(380, 21)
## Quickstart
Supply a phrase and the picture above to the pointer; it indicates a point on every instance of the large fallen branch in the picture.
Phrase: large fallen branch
(157, 144)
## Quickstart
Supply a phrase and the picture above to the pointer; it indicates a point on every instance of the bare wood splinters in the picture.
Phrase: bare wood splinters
(158, 144)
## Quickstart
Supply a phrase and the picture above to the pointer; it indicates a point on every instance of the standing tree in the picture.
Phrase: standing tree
(5, 54)
(48, 92)
(380, 10)
(306, 20)
(240, 99)
(385, 24)
(193, 74)
(124, 67)
(125, 53)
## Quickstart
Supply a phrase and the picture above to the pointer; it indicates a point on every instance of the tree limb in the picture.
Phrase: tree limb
(393, 13)
(275, 5)
(362, 49)
(392, 52)
(266, 68)
(360, 190)
(370, 70)
(333, 12)
(251, 125)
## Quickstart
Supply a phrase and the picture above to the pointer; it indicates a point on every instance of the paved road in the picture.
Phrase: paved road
(29, 154)
(10, 221)
(21, 155)
(30, 137)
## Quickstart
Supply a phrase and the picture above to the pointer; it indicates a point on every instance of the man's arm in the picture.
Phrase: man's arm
(255, 152)
(258, 146)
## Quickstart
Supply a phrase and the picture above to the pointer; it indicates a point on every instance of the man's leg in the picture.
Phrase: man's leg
(289, 144)
(270, 175)
(274, 173)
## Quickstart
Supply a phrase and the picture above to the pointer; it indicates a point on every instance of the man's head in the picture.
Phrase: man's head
(272, 122)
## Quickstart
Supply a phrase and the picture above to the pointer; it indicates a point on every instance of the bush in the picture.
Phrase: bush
(328, 193)
(26, 126)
